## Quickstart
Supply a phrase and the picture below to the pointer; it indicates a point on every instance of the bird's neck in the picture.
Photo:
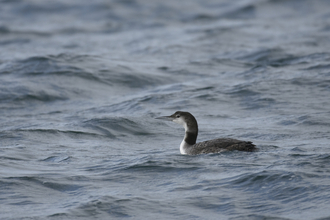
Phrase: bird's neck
(191, 129)
(190, 137)
(188, 141)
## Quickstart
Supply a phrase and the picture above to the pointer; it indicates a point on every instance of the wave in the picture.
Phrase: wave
(34, 182)
(276, 57)
(56, 132)
(162, 166)
(64, 77)
(117, 126)
(113, 206)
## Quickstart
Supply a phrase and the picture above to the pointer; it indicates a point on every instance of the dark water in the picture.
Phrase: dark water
(82, 81)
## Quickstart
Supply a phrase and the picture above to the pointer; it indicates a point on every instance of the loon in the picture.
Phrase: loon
(190, 147)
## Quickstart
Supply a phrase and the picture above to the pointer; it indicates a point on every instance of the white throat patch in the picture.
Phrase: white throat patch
(181, 122)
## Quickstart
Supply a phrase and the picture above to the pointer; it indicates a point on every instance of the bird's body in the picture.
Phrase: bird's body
(189, 145)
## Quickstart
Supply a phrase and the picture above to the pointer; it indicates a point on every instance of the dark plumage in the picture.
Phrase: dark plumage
(189, 145)
(219, 145)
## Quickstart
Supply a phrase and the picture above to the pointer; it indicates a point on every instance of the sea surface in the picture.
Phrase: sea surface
(81, 83)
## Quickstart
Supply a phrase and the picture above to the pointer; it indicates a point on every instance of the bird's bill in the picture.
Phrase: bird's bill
(166, 118)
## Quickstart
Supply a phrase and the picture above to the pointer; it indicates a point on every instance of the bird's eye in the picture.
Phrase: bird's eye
(178, 116)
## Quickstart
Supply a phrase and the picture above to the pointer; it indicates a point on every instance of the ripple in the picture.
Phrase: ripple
(116, 126)
(57, 159)
(62, 187)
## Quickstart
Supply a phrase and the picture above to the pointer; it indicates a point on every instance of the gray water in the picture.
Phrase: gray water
(82, 81)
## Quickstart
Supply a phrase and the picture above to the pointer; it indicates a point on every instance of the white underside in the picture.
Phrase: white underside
(183, 147)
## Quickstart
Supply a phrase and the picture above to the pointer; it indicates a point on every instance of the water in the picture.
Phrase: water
(82, 81)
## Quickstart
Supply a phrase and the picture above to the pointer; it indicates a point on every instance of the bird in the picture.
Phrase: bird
(189, 146)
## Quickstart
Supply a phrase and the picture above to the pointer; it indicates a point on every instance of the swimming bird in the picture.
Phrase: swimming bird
(190, 147)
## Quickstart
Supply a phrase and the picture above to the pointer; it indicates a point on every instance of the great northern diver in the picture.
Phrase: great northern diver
(189, 146)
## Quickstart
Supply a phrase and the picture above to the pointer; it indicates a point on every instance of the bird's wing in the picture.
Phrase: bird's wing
(222, 144)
